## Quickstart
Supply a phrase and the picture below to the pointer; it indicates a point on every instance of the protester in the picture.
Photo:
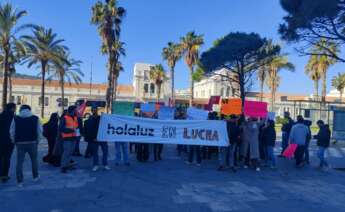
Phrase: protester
(26, 132)
(157, 148)
(250, 146)
(122, 152)
(298, 135)
(79, 132)
(307, 123)
(143, 153)
(50, 132)
(323, 140)
(85, 133)
(262, 149)
(228, 154)
(269, 140)
(6, 146)
(69, 133)
(286, 129)
(91, 130)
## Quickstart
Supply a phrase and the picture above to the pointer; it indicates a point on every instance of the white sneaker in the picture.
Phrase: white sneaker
(36, 179)
(95, 168)
(258, 169)
(20, 185)
(107, 168)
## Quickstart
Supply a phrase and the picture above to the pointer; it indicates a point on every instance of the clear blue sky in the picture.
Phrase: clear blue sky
(150, 24)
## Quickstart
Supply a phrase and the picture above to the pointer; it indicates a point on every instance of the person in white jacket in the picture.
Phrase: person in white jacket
(25, 133)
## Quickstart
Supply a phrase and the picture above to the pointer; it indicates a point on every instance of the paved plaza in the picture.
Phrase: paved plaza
(171, 185)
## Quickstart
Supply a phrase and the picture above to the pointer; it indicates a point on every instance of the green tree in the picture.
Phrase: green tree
(190, 45)
(240, 53)
(308, 21)
(42, 47)
(65, 70)
(312, 70)
(172, 53)
(108, 17)
(277, 64)
(9, 18)
(323, 61)
(338, 82)
(158, 75)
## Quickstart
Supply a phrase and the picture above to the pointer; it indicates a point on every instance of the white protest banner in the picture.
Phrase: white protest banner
(196, 114)
(166, 113)
(117, 128)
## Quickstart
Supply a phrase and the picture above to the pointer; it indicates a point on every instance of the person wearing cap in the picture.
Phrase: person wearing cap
(69, 129)
(299, 135)
(25, 133)
(6, 146)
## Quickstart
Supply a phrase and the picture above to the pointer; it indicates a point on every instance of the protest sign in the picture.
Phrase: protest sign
(231, 107)
(166, 113)
(117, 128)
(123, 108)
(196, 114)
(255, 109)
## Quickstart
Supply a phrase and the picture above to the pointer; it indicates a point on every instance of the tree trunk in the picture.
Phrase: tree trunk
(62, 84)
(191, 87)
(43, 77)
(272, 97)
(114, 91)
(10, 87)
(316, 89)
(109, 87)
(261, 90)
(324, 86)
(242, 88)
(172, 85)
(341, 96)
(5, 79)
(159, 87)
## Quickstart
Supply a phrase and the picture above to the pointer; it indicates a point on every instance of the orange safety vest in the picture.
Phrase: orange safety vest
(71, 123)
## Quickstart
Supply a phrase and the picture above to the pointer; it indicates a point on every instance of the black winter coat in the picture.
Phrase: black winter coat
(233, 132)
(91, 128)
(269, 136)
(323, 136)
(5, 124)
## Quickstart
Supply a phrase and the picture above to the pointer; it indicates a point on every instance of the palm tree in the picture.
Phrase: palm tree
(262, 75)
(314, 73)
(190, 45)
(157, 74)
(172, 53)
(323, 61)
(9, 18)
(65, 70)
(108, 18)
(277, 64)
(338, 82)
(43, 47)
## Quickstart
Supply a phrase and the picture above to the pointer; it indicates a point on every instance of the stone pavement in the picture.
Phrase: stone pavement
(171, 185)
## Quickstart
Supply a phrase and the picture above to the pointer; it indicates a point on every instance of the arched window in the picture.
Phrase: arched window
(146, 88)
(222, 92)
(228, 91)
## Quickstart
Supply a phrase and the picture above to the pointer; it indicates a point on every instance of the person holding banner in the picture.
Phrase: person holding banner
(250, 143)
(228, 153)
(91, 130)
(143, 148)
(69, 133)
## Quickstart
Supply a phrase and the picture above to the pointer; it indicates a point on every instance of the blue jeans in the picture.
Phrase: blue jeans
(104, 147)
(285, 141)
(227, 155)
(270, 155)
(197, 151)
(121, 147)
(306, 151)
(321, 155)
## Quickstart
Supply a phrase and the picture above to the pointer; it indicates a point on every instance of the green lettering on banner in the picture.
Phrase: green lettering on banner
(123, 108)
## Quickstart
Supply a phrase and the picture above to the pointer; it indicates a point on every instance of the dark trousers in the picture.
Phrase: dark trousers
(5, 159)
(299, 153)
(157, 149)
(77, 147)
(49, 157)
(104, 147)
(142, 152)
(306, 152)
(22, 150)
(88, 151)
(194, 150)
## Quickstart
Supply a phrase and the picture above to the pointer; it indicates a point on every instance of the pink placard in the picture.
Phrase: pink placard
(255, 109)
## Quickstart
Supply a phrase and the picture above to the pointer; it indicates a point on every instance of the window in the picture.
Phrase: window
(228, 91)
(146, 75)
(12, 99)
(46, 101)
(146, 88)
(222, 92)
(202, 93)
(65, 102)
(19, 100)
(152, 88)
